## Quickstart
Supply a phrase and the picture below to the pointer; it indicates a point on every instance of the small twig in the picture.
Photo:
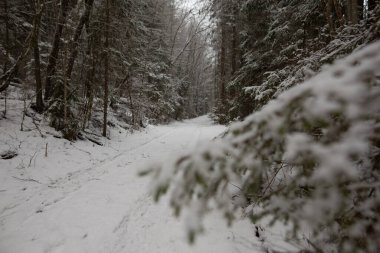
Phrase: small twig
(31, 159)
(318, 250)
(97, 142)
(236, 186)
(27, 180)
(272, 179)
(84, 151)
(23, 115)
(91, 133)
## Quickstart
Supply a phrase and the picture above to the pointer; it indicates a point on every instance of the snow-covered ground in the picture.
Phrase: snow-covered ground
(87, 198)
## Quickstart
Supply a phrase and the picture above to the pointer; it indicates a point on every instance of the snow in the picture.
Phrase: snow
(306, 148)
(87, 198)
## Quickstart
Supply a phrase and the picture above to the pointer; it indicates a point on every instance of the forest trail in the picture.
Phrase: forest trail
(105, 207)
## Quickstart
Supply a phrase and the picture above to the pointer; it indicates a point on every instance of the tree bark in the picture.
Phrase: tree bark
(7, 46)
(329, 15)
(223, 64)
(36, 53)
(234, 47)
(360, 10)
(89, 79)
(235, 41)
(129, 87)
(6, 19)
(106, 66)
(338, 11)
(352, 11)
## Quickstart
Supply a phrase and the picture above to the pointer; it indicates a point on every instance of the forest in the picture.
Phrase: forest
(290, 143)
(80, 60)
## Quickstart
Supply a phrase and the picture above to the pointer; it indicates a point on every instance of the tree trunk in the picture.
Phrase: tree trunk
(352, 11)
(89, 93)
(360, 9)
(338, 11)
(223, 64)
(106, 66)
(329, 15)
(234, 47)
(223, 53)
(129, 87)
(52, 62)
(7, 46)
(89, 79)
(78, 31)
(37, 64)
(235, 41)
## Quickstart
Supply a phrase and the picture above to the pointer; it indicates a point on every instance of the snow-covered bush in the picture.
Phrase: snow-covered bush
(309, 158)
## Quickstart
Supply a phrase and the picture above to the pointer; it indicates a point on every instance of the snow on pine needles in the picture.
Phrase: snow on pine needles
(309, 158)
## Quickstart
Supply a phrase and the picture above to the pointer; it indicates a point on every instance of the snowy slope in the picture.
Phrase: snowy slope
(86, 198)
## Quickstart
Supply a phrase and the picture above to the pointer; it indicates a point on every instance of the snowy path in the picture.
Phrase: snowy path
(103, 206)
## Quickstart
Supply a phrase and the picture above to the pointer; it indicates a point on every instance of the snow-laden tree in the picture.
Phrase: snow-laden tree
(309, 158)
(99, 60)
(281, 43)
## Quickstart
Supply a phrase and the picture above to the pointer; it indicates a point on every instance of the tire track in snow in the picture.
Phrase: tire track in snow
(143, 205)
(140, 208)
(72, 182)
(79, 183)
(108, 160)
(114, 214)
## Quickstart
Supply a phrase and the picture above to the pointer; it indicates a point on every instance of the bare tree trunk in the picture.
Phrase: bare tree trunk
(7, 52)
(89, 95)
(52, 62)
(352, 11)
(65, 93)
(37, 64)
(235, 41)
(329, 15)
(223, 65)
(129, 87)
(339, 13)
(360, 9)
(89, 79)
(216, 82)
(6, 19)
(234, 47)
(106, 66)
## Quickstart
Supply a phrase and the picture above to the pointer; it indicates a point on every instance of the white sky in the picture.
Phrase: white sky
(189, 4)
